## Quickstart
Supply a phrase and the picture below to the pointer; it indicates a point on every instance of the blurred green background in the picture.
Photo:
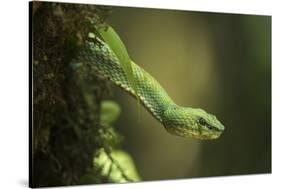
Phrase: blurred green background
(219, 62)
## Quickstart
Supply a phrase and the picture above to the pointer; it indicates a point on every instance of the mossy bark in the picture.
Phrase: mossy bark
(66, 129)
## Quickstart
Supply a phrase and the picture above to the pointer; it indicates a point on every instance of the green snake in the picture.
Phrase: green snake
(178, 120)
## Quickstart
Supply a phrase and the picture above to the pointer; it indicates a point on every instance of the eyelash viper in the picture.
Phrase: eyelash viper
(178, 120)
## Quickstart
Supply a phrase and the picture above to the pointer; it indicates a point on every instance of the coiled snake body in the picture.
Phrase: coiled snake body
(181, 121)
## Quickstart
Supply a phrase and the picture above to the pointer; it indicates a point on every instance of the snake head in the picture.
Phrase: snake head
(192, 122)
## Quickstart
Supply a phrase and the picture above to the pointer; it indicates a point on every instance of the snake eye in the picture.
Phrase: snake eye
(202, 121)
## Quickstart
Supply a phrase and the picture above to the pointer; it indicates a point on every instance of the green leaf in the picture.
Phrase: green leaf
(110, 112)
(113, 40)
(117, 166)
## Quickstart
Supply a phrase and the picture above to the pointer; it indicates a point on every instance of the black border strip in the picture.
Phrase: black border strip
(30, 86)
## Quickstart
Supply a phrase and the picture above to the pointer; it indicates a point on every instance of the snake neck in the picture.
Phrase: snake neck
(102, 60)
(151, 94)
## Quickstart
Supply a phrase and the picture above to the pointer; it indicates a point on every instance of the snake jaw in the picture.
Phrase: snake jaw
(192, 134)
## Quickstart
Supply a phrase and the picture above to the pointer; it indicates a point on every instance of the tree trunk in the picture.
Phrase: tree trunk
(66, 130)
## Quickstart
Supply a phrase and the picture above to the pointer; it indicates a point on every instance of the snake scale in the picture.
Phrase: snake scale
(181, 121)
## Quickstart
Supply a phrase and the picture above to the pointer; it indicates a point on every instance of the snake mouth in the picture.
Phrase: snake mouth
(193, 133)
(213, 136)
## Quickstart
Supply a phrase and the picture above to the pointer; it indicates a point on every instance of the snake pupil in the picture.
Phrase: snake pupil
(202, 121)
